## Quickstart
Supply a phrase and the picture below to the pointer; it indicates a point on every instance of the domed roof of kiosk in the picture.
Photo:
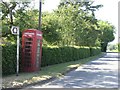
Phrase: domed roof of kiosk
(35, 30)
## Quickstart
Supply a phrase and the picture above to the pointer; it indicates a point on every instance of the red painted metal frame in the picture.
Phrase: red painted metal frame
(35, 35)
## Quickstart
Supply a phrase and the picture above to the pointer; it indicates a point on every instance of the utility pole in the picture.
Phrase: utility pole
(40, 13)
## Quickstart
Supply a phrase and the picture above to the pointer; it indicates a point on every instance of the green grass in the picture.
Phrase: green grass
(45, 73)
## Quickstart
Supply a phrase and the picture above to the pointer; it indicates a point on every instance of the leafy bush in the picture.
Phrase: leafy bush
(8, 59)
(50, 56)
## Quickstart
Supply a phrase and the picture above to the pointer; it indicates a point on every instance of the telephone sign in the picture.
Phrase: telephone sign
(15, 30)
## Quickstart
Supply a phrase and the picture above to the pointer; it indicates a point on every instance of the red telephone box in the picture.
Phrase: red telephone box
(31, 50)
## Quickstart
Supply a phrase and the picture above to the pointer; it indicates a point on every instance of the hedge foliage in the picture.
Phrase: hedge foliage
(50, 56)
(8, 59)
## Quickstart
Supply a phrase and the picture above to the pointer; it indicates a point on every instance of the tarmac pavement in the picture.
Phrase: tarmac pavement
(100, 73)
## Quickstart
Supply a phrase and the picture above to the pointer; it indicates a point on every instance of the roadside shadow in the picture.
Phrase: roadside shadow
(96, 74)
(89, 79)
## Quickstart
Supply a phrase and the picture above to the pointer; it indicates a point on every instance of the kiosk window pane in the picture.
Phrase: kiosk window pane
(28, 43)
(28, 53)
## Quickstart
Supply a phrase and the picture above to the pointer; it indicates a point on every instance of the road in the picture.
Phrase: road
(100, 73)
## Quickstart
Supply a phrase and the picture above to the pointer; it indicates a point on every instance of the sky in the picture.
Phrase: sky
(109, 11)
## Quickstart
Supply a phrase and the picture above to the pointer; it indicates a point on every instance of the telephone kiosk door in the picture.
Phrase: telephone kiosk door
(31, 50)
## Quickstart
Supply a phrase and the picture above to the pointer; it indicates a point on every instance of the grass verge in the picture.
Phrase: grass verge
(57, 70)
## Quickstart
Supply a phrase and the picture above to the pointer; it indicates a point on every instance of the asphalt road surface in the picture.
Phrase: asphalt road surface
(100, 73)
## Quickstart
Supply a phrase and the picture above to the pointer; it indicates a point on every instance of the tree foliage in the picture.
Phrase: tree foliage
(107, 34)
(9, 12)
(50, 28)
(78, 24)
(73, 23)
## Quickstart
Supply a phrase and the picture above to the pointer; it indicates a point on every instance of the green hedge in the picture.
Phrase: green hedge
(118, 47)
(8, 59)
(95, 51)
(50, 56)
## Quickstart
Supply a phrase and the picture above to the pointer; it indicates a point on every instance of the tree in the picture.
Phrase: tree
(50, 28)
(7, 15)
(78, 24)
(107, 34)
(11, 11)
